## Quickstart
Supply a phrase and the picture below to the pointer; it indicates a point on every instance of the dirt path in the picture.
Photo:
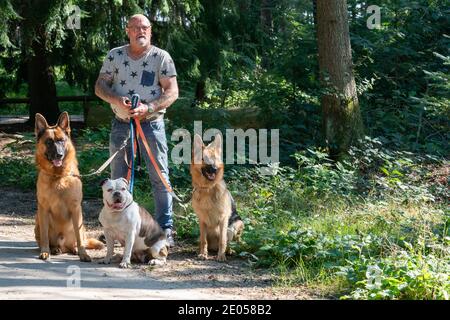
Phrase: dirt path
(24, 276)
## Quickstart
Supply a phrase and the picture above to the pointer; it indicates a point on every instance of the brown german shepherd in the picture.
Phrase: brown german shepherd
(59, 220)
(211, 200)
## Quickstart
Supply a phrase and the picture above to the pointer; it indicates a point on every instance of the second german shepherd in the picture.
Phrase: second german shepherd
(59, 220)
(211, 200)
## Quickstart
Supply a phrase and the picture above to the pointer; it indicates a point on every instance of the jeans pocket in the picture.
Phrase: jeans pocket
(157, 125)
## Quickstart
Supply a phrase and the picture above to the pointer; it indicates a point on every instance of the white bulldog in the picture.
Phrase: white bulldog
(124, 220)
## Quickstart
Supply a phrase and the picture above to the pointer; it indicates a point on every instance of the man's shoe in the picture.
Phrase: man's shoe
(169, 235)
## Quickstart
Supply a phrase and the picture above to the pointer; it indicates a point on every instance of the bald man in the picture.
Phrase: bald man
(140, 67)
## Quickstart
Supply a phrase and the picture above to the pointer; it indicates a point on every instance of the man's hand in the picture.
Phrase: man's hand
(123, 102)
(141, 111)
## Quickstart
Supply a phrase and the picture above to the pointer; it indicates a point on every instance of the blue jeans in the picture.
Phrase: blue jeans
(156, 138)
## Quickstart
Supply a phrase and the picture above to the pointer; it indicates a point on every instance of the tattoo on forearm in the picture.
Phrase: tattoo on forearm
(164, 101)
(103, 88)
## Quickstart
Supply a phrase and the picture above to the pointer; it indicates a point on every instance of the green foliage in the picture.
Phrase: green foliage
(326, 223)
(413, 273)
(19, 173)
(323, 176)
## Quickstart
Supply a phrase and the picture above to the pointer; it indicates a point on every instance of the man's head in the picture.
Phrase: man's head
(139, 31)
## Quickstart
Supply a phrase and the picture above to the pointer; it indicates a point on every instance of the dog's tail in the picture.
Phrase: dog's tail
(92, 243)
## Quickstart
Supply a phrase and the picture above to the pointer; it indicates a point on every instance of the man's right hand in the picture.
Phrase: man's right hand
(123, 102)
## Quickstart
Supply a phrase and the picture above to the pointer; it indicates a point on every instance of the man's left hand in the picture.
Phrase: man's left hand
(141, 111)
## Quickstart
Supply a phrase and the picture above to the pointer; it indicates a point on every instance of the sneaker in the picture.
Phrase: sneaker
(169, 235)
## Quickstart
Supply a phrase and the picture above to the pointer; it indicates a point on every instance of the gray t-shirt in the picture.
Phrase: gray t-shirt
(137, 76)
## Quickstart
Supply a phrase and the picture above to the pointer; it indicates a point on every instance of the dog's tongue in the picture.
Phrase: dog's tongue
(57, 163)
(117, 205)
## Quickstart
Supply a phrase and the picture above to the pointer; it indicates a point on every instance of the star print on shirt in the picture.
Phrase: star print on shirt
(126, 63)
(130, 92)
(164, 72)
(153, 92)
(155, 55)
(110, 58)
(120, 52)
(133, 74)
(144, 64)
(123, 82)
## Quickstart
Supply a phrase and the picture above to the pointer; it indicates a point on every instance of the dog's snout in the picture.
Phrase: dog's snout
(211, 169)
(59, 156)
(117, 194)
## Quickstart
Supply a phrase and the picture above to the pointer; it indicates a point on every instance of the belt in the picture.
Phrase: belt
(159, 116)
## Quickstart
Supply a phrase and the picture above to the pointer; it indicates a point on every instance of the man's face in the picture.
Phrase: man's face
(139, 32)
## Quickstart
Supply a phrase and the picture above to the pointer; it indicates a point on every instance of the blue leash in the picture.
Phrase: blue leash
(134, 103)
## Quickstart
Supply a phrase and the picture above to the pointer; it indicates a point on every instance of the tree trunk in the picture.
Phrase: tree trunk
(342, 121)
(200, 91)
(266, 19)
(41, 85)
(40, 75)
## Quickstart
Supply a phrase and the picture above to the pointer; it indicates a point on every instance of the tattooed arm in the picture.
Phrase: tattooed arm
(103, 90)
(169, 96)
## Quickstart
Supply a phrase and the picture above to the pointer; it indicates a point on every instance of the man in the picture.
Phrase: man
(139, 67)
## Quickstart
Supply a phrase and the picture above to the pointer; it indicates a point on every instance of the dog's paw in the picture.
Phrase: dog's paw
(125, 265)
(84, 257)
(44, 256)
(221, 258)
(203, 256)
(157, 262)
(55, 251)
(105, 261)
(229, 251)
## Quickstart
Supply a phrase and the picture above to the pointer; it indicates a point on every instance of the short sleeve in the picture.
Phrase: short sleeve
(167, 68)
(108, 64)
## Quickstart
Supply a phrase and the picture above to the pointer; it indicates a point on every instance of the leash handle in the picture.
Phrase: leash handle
(135, 99)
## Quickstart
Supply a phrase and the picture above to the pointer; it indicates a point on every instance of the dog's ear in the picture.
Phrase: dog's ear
(124, 180)
(64, 122)
(103, 182)
(217, 144)
(197, 150)
(40, 125)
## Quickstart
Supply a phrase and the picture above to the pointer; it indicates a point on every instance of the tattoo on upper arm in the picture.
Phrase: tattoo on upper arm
(103, 87)
(107, 78)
